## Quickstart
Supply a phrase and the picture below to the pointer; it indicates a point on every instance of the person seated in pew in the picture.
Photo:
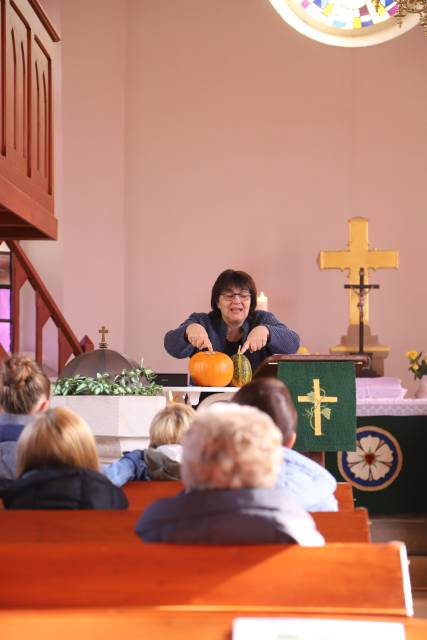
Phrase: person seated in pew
(24, 392)
(162, 459)
(231, 459)
(58, 468)
(310, 483)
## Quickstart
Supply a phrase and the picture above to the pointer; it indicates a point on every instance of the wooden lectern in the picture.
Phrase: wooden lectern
(323, 389)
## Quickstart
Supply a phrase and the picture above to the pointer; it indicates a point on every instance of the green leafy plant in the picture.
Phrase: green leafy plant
(417, 364)
(130, 382)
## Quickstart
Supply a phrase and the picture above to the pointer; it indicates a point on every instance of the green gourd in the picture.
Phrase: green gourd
(242, 370)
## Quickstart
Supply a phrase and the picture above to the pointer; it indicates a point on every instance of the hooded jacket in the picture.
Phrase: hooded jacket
(229, 516)
(62, 488)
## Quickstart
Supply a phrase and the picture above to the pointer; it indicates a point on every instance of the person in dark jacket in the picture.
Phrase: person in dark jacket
(233, 322)
(231, 458)
(58, 468)
(24, 392)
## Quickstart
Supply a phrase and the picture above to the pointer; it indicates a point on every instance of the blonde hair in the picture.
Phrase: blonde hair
(58, 437)
(169, 425)
(22, 384)
(231, 447)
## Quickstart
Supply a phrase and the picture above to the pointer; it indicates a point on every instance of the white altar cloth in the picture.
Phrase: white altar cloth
(391, 407)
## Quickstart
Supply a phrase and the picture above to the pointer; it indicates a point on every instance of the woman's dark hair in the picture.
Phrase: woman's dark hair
(271, 396)
(22, 383)
(231, 278)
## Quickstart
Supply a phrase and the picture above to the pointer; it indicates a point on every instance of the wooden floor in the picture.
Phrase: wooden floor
(412, 530)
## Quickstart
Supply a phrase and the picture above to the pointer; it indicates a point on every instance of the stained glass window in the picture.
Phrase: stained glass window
(347, 23)
(349, 14)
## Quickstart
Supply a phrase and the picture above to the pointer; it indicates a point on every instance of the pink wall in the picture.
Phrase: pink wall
(249, 145)
(204, 135)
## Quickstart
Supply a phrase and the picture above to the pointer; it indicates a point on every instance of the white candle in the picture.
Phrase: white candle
(262, 302)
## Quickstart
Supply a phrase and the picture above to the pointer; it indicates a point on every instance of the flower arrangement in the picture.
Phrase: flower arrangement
(417, 364)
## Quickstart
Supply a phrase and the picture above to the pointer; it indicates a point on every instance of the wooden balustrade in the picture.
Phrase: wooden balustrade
(23, 271)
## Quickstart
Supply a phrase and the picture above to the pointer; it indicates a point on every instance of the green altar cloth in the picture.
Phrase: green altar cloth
(324, 395)
(387, 470)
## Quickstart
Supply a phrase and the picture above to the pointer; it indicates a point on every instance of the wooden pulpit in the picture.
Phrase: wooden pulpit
(323, 389)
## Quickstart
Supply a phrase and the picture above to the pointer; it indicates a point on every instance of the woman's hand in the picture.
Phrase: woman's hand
(198, 336)
(257, 339)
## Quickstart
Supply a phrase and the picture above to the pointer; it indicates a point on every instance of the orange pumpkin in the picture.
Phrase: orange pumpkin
(211, 369)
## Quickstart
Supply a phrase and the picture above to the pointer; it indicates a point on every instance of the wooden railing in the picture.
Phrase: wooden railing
(46, 308)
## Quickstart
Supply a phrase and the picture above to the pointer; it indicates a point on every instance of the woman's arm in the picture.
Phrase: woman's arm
(281, 339)
(176, 341)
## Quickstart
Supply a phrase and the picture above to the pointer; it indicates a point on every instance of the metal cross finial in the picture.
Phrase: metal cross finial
(103, 331)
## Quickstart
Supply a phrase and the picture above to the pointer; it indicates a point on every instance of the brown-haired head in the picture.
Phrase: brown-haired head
(271, 396)
(231, 278)
(58, 437)
(24, 388)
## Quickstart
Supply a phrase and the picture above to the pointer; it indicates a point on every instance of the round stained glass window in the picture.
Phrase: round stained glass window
(345, 23)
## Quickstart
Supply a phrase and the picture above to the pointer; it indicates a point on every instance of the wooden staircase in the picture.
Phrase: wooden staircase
(23, 271)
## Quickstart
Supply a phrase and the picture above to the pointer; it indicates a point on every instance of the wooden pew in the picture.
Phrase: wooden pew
(132, 623)
(141, 494)
(344, 496)
(359, 579)
(118, 526)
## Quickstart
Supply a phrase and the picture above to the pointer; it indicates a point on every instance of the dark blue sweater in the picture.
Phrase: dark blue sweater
(282, 339)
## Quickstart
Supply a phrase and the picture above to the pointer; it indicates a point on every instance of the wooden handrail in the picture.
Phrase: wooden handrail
(23, 271)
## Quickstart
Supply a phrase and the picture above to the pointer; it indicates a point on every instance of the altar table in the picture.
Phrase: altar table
(387, 470)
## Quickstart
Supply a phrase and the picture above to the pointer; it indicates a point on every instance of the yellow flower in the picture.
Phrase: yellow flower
(302, 351)
(415, 367)
(425, 360)
(411, 354)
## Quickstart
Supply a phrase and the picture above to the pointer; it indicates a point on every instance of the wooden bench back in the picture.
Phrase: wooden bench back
(141, 494)
(111, 624)
(338, 578)
(119, 526)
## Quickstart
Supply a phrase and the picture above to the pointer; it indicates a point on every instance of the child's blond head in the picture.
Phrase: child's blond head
(169, 425)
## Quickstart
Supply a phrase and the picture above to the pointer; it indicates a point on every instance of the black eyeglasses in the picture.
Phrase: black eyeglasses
(242, 295)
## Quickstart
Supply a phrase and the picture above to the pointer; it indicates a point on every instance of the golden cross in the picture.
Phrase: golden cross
(358, 256)
(316, 398)
(103, 331)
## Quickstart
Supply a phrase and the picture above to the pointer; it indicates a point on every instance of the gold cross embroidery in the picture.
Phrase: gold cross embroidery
(358, 255)
(316, 398)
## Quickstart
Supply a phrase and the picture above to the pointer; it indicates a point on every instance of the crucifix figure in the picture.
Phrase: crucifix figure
(361, 291)
(357, 256)
(316, 398)
(103, 331)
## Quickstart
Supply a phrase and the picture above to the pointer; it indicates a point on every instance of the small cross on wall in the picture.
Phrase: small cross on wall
(103, 331)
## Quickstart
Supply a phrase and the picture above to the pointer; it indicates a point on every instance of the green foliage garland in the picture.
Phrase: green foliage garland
(130, 382)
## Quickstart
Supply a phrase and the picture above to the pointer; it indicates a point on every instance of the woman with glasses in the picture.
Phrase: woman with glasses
(233, 322)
